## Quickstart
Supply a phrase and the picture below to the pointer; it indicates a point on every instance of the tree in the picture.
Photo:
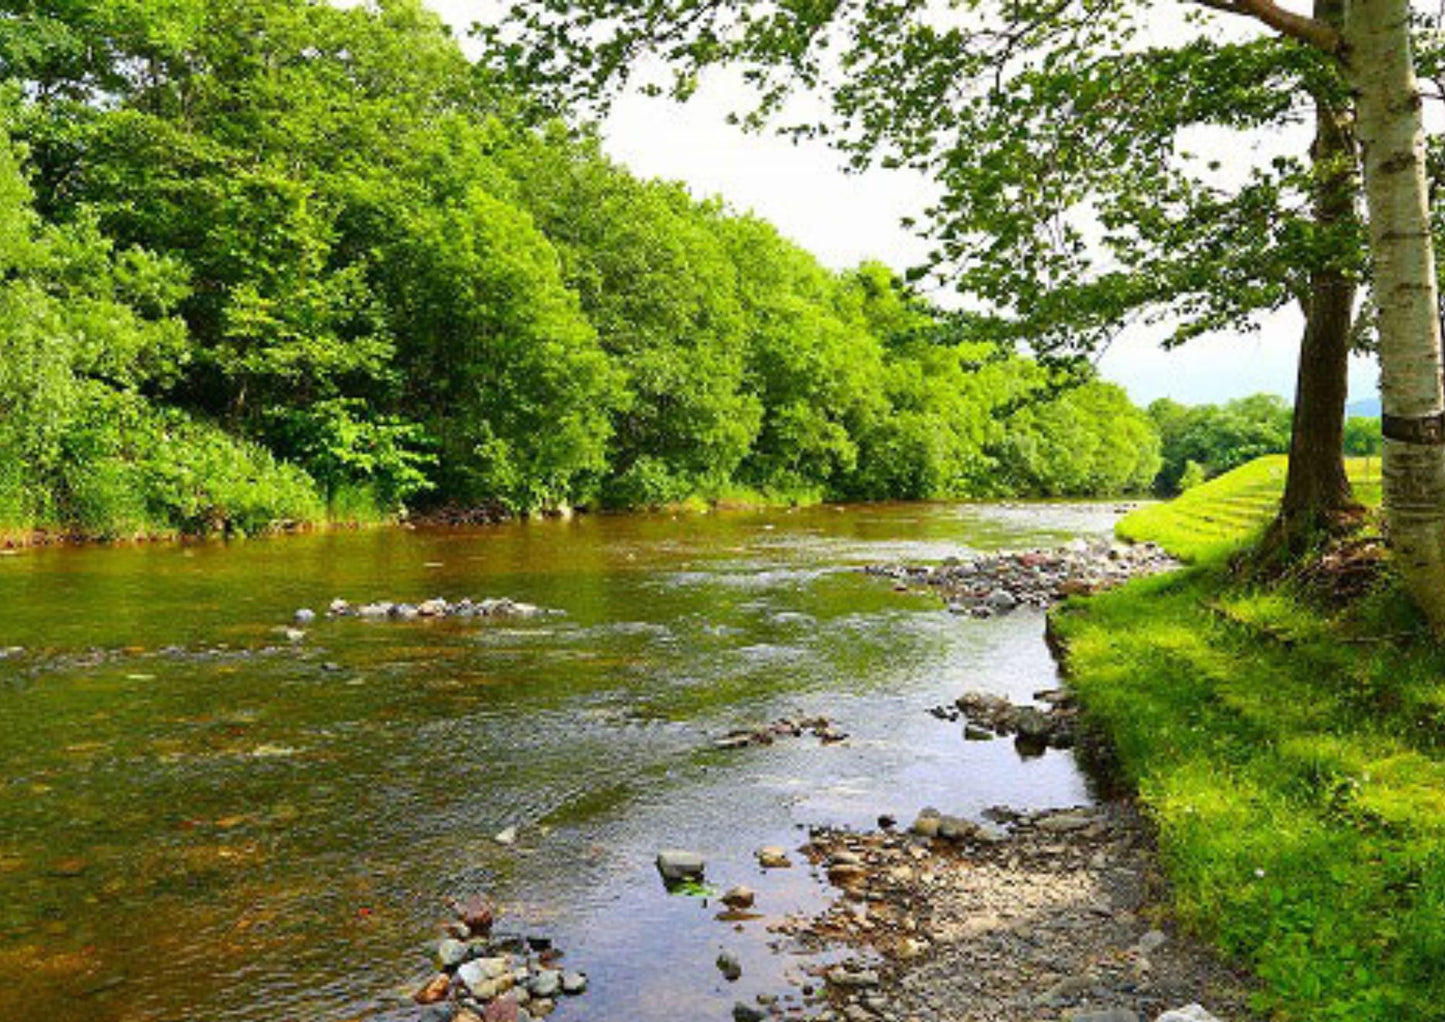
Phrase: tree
(1046, 123)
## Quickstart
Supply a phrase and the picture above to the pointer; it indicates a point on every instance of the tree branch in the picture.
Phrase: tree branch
(1297, 26)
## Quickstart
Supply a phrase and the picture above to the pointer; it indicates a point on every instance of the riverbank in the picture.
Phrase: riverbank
(1285, 736)
(1050, 915)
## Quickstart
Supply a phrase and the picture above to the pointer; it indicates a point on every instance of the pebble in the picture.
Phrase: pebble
(507, 836)
(744, 1012)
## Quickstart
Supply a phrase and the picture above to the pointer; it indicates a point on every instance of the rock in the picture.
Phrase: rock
(678, 866)
(1002, 599)
(974, 733)
(744, 1012)
(486, 977)
(434, 991)
(1188, 1013)
(1102, 1015)
(542, 1007)
(1151, 942)
(503, 1009)
(774, 857)
(729, 966)
(862, 979)
(546, 984)
(927, 824)
(507, 836)
(452, 953)
(304, 616)
(294, 635)
(952, 828)
(1033, 723)
(338, 607)
(476, 914)
(1065, 822)
(739, 897)
(574, 983)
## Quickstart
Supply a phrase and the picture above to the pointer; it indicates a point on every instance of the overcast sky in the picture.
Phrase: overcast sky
(844, 218)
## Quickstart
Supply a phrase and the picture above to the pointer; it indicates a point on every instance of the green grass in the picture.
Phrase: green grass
(1293, 756)
(1225, 514)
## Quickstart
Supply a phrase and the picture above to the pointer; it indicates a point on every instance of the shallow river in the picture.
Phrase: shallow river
(270, 837)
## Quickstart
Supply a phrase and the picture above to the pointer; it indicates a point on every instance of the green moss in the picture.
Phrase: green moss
(1293, 756)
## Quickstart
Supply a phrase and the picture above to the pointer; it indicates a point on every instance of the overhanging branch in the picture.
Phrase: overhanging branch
(1297, 26)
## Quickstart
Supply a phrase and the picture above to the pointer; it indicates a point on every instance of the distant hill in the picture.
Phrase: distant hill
(1368, 408)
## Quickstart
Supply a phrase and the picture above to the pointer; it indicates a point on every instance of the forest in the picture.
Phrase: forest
(270, 262)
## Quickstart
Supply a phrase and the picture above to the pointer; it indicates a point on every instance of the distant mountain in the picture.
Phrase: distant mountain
(1368, 408)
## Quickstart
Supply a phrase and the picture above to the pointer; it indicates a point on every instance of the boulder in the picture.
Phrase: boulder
(678, 866)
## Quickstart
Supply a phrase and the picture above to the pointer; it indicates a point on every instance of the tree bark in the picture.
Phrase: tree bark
(1379, 62)
(1317, 493)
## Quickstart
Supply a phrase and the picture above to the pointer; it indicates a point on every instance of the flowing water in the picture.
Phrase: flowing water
(241, 835)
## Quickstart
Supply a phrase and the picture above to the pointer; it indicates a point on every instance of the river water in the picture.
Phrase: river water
(237, 835)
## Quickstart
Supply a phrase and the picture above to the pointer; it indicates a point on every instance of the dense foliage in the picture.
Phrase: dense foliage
(264, 258)
(1199, 442)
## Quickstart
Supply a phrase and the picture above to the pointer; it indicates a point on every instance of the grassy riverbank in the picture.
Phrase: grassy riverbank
(1289, 739)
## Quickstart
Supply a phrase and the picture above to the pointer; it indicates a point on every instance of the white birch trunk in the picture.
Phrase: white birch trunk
(1377, 39)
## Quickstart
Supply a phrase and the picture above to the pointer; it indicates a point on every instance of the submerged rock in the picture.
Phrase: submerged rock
(729, 966)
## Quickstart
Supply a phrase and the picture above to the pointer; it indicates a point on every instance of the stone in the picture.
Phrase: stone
(574, 983)
(542, 1007)
(739, 897)
(1102, 1015)
(476, 914)
(1188, 1013)
(1002, 599)
(1065, 822)
(744, 1012)
(546, 984)
(774, 857)
(678, 866)
(507, 836)
(452, 953)
(503, 1009)
(1032, 722)
(481, 973)
(974, 733)
(434, 991)
(863, 979)
(729, 966)
(1151, 942)
(927, 824)
(304, 616)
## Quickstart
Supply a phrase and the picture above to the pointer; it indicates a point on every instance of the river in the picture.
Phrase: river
(240, 835)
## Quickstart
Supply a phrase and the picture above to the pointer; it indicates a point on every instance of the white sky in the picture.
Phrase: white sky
(844, 218)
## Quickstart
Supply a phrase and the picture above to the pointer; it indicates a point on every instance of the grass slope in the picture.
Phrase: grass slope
(1292, 754)
(1218, 517)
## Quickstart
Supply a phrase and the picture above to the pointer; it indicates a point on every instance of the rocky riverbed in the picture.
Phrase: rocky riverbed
(1000, 582)
(1025, 918)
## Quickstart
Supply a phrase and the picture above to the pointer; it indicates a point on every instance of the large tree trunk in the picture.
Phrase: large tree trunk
(1378, 58)
(1317, 492)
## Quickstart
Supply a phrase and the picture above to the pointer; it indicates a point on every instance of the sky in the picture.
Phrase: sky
(845, 218)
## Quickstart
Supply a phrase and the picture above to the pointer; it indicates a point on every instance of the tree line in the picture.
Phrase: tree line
(267, 260)
(1097, 164)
